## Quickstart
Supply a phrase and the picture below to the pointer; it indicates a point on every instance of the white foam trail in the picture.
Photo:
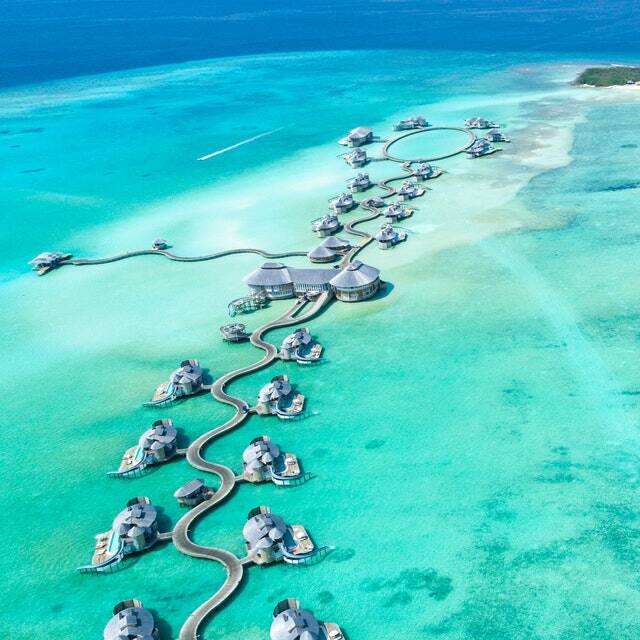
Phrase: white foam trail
(239, 144)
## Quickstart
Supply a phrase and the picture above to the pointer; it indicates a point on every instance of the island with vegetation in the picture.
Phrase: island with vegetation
(609, 76)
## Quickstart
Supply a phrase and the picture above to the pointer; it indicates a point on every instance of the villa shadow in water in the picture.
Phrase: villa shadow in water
(162, 625)
(385, 290)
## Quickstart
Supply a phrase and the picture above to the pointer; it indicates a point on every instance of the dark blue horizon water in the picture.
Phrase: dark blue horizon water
(48, 39)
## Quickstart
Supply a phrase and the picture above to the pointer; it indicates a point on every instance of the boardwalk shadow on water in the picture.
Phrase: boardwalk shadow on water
(210, 619)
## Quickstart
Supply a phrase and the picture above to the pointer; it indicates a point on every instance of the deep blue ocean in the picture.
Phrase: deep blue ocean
(47, 39)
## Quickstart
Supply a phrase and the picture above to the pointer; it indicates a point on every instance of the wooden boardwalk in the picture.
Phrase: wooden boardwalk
(172, 256)
(228, 479)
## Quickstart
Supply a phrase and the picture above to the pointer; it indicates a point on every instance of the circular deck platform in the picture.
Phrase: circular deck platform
(413, 132)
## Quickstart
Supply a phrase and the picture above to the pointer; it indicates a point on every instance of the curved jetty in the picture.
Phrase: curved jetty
(326, 225)
(387, 154)
(185, 381)
(234, 332)
(277, 398)
(134, 529)
(264, 461)
(45, 262)
(132, 621)
(301, 347)
(269, 539)
(156, 445)
(290, 622)
(232, 564)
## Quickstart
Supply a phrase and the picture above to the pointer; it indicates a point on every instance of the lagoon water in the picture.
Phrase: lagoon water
(473, 434)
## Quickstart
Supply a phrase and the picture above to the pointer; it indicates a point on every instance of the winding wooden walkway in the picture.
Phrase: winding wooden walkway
(234, 566)
(79, 262)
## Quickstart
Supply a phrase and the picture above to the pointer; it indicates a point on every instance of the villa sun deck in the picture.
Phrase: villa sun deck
(333, 631)
(291, 467)
(294, 410)
(303, 543)
(131, 459)
(106, 548)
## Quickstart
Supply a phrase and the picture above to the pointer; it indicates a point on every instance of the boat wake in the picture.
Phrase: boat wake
(239, 144)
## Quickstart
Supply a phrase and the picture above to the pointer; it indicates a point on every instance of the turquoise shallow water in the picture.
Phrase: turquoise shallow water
(473, 435)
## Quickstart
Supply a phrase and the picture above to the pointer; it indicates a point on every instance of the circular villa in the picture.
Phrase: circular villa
(356, 282)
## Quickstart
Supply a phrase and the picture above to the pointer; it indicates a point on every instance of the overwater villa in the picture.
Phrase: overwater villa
(131, 621)
(254, 301)
(234, 332)
(374, 202)
(322, 254)
(353, 283)
(397, 211)
(269, 538)
(185, 381)
(425, 171)
(479, 123)
(301, 347)
(416, 122)
(45, 262)
(193, 493)
(156, 445)
(326, 225)
(329, 249)
(356, 282)
(264, 461)
(343, 203)
(358, 183)
(357, 137)
(290, 622)
(409, 190)
(337, 244)
(356, 158)
(480, 147)
(496, 136)
(134, 529)
(159, 244)
(388, 237)
(277, 398)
